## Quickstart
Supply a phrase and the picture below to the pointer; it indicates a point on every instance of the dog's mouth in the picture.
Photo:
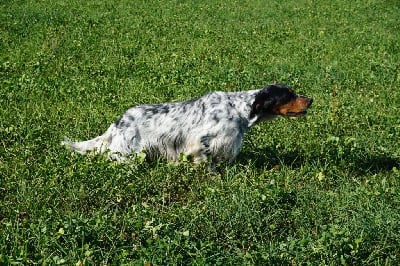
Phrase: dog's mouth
(296, 108)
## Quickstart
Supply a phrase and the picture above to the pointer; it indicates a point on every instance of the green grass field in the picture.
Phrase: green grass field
(321, 190)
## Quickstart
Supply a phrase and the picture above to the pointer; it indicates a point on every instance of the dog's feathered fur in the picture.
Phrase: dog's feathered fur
(211, 126)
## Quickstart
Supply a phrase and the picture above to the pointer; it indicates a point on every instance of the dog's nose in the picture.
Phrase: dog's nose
(310, 101)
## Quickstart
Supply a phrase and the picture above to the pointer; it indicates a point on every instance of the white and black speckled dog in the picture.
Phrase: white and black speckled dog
(209, 127)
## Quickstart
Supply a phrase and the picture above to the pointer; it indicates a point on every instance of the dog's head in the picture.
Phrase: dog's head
(279, 100)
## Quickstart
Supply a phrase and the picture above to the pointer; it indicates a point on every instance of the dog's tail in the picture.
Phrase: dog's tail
(97, 145)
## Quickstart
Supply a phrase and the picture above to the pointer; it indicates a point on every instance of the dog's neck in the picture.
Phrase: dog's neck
(243, 103)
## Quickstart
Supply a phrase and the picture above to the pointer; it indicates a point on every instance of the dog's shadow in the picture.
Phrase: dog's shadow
(268, 158)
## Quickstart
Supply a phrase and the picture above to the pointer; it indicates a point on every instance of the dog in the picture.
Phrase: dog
(207, 128)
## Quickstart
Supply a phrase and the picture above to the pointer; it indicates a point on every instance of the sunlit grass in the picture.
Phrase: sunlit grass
(318, 190)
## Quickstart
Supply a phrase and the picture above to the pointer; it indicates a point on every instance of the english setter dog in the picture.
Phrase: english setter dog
(210, 127)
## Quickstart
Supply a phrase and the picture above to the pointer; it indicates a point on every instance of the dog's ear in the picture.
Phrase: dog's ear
(262, 103)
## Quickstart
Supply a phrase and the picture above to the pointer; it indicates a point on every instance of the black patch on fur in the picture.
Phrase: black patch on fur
(206, 152)
(116, 123)
(156, 109)
(218, 114)
(179, 141)
(125, 121)
(122, 123)
(205, 143)
(203, 109)
(216, 118)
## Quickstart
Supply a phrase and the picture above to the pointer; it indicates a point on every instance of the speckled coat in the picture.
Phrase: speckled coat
(210, 127)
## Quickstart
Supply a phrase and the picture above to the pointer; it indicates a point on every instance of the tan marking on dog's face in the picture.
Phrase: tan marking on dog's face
(296, 107)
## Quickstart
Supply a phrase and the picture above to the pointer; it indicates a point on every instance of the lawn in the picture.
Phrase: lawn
(320, 190)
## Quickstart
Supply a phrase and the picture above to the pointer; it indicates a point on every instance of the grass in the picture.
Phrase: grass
(320, 190)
